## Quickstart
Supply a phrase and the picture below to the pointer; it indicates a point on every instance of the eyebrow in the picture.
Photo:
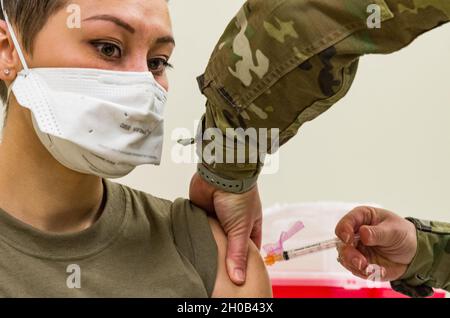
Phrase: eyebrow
(166, 39)
(113, 19)
(105, 17)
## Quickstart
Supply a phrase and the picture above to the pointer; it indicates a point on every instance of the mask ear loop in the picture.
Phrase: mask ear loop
(25, 72)
(15, 41)
(5, 113)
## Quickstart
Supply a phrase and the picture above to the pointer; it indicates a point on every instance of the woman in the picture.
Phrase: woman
(84, 103)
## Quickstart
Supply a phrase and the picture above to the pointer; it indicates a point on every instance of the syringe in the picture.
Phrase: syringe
(271, 259)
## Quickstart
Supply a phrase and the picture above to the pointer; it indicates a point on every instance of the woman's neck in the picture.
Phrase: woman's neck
(38, 190)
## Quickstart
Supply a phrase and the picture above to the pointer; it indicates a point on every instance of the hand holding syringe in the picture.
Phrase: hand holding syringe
(276, 253)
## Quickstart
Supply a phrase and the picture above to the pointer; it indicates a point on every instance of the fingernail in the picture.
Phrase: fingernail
(357, 263)
(239, 274)
(383, 272)
(347, 238)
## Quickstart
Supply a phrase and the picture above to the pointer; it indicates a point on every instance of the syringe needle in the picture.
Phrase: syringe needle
(308, 249)
(313, 248)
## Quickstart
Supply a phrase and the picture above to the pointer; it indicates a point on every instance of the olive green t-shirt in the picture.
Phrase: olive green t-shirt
(141, 246)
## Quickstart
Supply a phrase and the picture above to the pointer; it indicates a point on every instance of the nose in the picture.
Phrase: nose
(137, 63)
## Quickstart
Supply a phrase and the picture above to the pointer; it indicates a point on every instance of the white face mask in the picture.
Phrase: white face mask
(97, 122)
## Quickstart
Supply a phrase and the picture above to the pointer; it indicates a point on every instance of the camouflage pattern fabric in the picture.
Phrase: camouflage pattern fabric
(431, 265)
(282, 63)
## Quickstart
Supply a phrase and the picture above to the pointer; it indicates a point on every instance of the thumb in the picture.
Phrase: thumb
(237, 253)
(377, 235)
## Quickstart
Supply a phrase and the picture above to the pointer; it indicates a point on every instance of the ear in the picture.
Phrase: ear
(9, 60)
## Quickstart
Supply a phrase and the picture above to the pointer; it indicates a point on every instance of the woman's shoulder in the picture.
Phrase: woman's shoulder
(180, 214)
(201, 240)
(139, 200)
(186, 225)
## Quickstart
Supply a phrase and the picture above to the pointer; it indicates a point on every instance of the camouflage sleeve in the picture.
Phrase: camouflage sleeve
(281, 63)
(430, 267)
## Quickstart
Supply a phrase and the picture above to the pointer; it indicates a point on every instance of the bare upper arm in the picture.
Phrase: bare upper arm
(257, 283)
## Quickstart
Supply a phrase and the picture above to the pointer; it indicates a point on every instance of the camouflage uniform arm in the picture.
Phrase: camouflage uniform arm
(282, 63)
(431, 265)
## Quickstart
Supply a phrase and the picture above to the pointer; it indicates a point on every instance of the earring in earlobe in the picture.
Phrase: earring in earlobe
(7, 71)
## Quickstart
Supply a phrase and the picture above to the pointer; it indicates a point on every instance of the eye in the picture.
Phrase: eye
(109, 50)
(158, 65)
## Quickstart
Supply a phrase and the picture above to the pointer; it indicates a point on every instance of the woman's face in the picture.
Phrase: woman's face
(131, 35)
